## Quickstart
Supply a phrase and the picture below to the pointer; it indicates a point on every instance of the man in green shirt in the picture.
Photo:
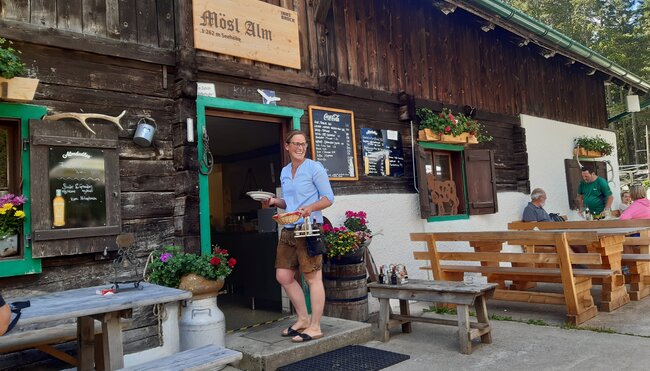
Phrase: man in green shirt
(594, 193)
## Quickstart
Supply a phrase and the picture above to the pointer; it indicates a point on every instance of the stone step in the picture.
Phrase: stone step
(264, 349)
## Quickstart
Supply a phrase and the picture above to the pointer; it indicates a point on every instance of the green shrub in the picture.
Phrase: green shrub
(10, 63)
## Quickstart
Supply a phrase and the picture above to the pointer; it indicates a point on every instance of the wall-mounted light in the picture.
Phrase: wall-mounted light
(190, 129)
(488, 27)
(445, 7)
(632, 103)
(550, 54)
(592, 72)
(524, 42)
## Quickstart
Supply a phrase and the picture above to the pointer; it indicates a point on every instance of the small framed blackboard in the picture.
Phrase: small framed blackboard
(333, 142)
(77, 180)
(382, 152)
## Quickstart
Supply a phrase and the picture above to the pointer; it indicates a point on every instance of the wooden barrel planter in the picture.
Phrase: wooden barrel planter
(346, 291)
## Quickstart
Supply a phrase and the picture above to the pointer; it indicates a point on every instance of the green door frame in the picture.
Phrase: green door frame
(28, 264)
(203, 103)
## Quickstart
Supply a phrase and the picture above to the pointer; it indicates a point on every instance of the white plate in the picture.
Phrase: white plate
(260, 195)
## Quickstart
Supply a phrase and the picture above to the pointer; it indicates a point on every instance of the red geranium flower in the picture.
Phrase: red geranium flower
(447, 129)
(232, 262)
(215, 261)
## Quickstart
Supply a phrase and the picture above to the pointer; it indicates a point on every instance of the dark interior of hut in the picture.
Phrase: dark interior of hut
(247, 157)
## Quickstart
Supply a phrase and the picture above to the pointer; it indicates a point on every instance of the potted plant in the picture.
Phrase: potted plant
(13, 87)
(357, 222)
(446, 127)
(11, 221)
(587, 146)
(200, 274)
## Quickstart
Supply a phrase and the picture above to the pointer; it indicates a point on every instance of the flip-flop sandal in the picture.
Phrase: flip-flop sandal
(306, 337)
(291, 332)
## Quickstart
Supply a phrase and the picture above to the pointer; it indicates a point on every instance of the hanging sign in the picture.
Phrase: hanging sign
(382, 152)
(248, 29)
(333, 142)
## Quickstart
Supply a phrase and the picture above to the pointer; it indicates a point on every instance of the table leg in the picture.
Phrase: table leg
(85, 343)
(480, 304)
(384, 313)
(112, 338)
(614, 291)
(463, 329)
(405, 310)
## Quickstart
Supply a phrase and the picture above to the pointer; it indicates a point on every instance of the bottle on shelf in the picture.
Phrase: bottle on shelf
(588, 215)
(58, 209)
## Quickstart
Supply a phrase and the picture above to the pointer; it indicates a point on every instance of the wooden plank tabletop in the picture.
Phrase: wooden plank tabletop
(581, 224)
(85, 302)
(441, 286)
(603, 231)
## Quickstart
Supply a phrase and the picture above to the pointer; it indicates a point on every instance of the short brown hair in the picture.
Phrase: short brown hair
(637, 191)
(293, 133)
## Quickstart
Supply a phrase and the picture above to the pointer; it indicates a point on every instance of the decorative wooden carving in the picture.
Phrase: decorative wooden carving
(443, 195)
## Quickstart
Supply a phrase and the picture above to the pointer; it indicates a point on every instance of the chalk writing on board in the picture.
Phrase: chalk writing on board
(77, 182)
(382, 152)
(333, 141)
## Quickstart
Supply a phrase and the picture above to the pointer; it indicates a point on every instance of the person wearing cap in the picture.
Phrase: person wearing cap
(306, 189)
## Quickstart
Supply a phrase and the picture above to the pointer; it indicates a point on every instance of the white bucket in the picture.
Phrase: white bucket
(144, 132)
(201, 323)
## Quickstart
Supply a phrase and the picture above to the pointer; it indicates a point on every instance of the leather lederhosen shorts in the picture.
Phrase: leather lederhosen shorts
(292, 253)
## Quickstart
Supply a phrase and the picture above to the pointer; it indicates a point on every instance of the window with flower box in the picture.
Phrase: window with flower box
(455, 181)
(14, 171)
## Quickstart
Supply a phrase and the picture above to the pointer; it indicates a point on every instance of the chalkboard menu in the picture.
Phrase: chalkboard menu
(382, 152)
(77, 181)
(333, 142)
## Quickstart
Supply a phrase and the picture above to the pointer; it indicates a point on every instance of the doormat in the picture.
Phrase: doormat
(349, 358)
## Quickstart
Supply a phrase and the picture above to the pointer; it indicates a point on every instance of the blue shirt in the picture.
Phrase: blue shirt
(309, 185)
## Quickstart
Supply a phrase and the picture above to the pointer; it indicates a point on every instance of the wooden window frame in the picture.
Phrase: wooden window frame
(26, 263)
(458, 158)
(48, 242)
(12, 126)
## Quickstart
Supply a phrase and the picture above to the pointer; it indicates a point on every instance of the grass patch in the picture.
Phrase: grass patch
(536, 322)
(445, 310)
(571, 326)
(498, 317)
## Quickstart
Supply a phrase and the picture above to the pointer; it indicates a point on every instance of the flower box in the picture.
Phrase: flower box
(581, 152)
(18, 89)
(427, 135)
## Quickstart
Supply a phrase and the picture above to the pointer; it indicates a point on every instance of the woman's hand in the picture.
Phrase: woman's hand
(268, 202)
(306, 211)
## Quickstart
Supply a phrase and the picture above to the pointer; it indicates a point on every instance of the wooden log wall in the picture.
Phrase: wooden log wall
(410, 46)
(145, 22)
(82, 82)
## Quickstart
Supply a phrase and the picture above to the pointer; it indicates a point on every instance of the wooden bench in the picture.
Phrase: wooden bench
(458, 293)
(207, 357)
(43, 339)
(636, 254)
(576, 283)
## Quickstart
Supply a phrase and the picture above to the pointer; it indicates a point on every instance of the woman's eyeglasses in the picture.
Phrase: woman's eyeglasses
(298, 144)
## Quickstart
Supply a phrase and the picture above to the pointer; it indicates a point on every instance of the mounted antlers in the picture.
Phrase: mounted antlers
(82, 117)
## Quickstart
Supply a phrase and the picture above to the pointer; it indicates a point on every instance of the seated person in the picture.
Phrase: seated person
(534, 211)
(626, 200)
(5, 316)
(640, 207)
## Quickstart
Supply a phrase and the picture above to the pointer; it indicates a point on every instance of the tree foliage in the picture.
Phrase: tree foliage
(620, 31)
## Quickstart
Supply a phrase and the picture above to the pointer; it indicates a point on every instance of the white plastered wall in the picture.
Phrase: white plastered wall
(396, 215)
(548, 143)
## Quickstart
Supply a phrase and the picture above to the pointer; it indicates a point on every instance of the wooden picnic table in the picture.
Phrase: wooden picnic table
(637, 258)
(87, 306)
(610, 246)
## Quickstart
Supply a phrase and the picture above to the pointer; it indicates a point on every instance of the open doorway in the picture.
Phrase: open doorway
(247, 152)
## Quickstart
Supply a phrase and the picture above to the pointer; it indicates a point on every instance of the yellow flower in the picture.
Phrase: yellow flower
(2, 211)
(20, 214)
(7, 206)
